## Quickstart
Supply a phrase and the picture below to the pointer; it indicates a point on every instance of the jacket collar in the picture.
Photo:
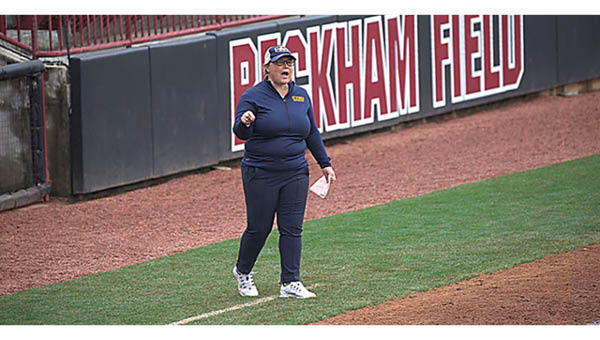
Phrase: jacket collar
(268, 83)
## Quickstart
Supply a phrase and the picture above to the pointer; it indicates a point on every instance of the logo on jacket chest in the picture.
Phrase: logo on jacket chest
(298, 99)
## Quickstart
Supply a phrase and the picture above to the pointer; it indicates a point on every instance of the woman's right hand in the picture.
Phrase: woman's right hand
(329, 174)
(247, 118)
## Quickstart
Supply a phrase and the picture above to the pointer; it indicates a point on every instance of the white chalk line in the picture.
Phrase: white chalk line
(230, 309)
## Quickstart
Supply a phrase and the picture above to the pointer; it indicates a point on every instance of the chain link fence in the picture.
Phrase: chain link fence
(23, 171)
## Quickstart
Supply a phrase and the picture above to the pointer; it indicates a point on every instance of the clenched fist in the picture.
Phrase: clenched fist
(247, 118)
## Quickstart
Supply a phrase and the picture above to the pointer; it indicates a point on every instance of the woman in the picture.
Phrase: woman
(275, 118)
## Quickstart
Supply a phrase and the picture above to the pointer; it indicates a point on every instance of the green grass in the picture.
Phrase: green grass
(355, 259)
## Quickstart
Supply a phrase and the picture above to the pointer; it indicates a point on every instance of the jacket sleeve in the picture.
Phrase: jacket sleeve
(240, 130)
(315, 142)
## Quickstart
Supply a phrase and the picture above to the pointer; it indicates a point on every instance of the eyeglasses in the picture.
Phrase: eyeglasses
(288, 62)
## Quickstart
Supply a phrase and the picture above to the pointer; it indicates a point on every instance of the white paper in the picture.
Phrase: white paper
(320, 187)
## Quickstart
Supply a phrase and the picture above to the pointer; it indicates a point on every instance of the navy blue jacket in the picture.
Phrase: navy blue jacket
(283, 129)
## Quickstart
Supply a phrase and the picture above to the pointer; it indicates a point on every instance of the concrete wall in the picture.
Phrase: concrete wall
(57, 87)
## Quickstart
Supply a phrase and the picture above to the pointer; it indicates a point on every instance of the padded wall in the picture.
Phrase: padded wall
(111, 123)
(184, 105)
(578, 50)
(152, 111)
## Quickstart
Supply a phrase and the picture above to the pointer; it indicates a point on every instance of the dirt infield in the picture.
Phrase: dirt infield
(560, 289)
(54, 242)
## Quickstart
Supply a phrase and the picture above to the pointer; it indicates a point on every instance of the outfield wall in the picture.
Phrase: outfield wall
(161, 109)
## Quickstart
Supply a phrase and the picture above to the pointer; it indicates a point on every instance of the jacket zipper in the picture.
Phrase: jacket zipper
(287, 110)
(288, 115)
(285, 104)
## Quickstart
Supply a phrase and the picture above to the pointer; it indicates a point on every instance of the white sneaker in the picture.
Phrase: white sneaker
(245, 283)
(295, 290)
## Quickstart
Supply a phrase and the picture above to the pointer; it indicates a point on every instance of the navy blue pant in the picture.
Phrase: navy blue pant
(268, 193)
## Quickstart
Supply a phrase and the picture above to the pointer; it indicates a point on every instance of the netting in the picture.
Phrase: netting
(15, 135)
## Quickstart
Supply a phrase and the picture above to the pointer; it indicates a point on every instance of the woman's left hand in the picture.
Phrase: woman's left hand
(329, 174)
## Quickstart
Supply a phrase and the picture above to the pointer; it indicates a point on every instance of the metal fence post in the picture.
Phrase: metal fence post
(34, 37)
(3, 24)
(128, 35)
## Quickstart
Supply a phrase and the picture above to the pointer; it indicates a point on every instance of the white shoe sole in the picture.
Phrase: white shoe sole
(244, 294)
(286, 295)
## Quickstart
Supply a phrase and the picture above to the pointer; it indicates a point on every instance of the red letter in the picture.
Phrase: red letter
(402, 50)
(440, 57)
(472, 82)
(321, 48)
(375, 87)
(294, 41)
(264, 43)
(512, 49)
(456, 51)
(242, 56)
(348, 71)
(491, 78)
